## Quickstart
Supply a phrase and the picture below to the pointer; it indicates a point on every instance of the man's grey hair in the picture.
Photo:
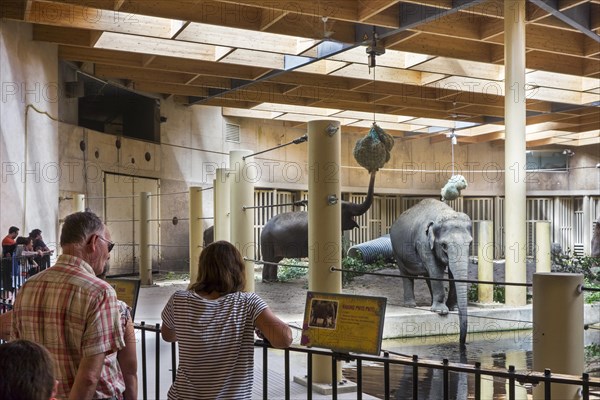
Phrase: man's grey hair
(78, 226)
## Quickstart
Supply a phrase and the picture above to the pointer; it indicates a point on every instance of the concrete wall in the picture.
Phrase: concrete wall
(28, 139)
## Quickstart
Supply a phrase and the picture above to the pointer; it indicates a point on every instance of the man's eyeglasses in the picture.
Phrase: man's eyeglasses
(110, 244)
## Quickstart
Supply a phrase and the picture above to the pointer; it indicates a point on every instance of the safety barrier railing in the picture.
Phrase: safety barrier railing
(415, 363)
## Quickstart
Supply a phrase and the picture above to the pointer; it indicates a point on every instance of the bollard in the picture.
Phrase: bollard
(78, 203)
(242, 220)
(195, 230)
(485, 261)
(543, 257)
(558, 330)
(221, 204)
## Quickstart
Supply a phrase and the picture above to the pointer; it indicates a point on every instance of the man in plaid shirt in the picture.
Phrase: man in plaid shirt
(74, 314)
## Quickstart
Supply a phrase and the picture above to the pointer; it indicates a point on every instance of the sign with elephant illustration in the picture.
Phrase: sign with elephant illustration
(343, 323)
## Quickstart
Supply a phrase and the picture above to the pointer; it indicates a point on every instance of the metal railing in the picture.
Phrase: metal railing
(415, 364)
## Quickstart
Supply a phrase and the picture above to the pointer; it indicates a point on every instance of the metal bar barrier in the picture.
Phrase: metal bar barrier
(144, 361)
(413, 362)
(157, 363)
(415, 377)
(446, 363)
(386, 376)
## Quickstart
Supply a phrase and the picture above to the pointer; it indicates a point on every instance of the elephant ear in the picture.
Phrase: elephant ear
(430, 234)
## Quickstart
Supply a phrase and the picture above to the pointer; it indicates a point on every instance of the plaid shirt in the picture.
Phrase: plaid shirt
(73, 314)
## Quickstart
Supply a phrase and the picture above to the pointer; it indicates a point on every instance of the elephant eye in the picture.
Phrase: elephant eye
(445, 246)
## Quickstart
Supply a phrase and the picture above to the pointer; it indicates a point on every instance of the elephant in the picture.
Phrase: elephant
(286, 234)
(208, 236)
(426, 239)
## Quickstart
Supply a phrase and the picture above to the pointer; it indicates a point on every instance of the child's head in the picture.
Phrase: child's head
(27, 371)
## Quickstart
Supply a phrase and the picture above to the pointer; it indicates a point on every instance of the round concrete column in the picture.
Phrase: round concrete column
(485, 261)
(514, 151)
(222, 199)
(242, 220)
(78, 203)
(324, 220)
(195, 230)
(543, 260)
(558, 330)
(145, 253)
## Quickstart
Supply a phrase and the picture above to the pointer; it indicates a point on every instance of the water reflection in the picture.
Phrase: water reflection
(492, 350)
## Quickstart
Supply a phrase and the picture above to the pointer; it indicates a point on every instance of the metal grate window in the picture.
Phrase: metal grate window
(232, 133)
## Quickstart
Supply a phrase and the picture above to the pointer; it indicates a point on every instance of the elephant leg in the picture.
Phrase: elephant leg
(269, 273)
(409, 292)
(438, 293)
(452, 301)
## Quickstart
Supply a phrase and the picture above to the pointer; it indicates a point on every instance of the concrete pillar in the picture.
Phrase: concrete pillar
(222, 199)
(145, 253)
(242, 221)
(514, 150)
(558, 330)
(324, 221)
(79, 203)
(543, 256)
(485, 261)
(195, 230)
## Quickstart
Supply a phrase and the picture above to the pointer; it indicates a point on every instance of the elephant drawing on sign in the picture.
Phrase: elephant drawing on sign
(426, 239)
(323, 313)
(286, 234)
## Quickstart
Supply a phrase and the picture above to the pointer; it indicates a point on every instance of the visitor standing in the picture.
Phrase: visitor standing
(75, 314)
(214, 323)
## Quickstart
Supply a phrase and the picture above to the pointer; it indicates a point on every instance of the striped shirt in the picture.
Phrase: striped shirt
(73, 314)
(215, 337)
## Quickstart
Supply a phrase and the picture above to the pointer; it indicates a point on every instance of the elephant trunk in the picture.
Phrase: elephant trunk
(360, 209)
(458, 266)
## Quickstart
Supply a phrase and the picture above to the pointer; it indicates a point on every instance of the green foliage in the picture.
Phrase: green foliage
(359, 268)
(172, 276)
(588, 266)
(292, 270)
(473, 293)
(591, 297)
(592, 351)
(572, 263)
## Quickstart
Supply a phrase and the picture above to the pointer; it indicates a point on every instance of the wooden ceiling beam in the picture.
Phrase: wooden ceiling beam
(69, 36)
(142, 74)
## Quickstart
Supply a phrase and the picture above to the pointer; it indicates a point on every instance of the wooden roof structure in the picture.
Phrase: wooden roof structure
(441, 70)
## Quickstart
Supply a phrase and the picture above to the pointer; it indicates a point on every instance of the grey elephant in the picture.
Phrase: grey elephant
(426, 239)
(208, 236)
(286, 234)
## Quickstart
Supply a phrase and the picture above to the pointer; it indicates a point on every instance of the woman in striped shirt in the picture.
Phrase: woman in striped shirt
(214, 323)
